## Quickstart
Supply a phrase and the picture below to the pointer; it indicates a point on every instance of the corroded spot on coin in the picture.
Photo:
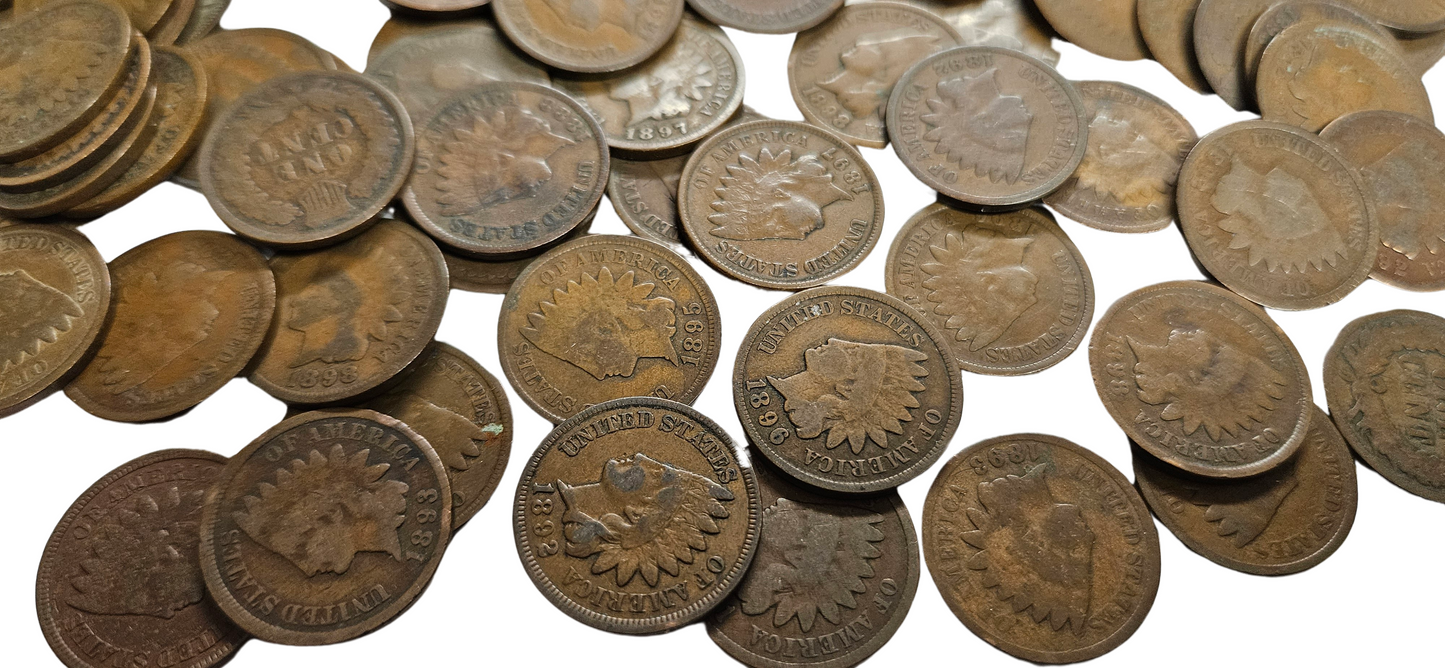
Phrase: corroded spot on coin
(1221, 30)
(121, 576)
(1010, 291)
(1385, 382)
(1109, 28)
(1041, 548)
(589, 35)
(1168, 30)
(1415, 16)
(326, 527)
(1201, 379)
(773, 17)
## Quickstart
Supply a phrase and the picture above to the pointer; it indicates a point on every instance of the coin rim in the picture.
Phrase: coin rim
(502, 11)
(707, 9)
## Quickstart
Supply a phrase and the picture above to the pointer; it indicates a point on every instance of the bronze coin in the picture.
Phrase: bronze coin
(831, 582)
(769, 17)
(120, 581)
(1221, 31)
(1007, 24)
(634, 516)
(1109, 28)
(1421, 51)
(1415, 16)
(506, 168)
(847, 389)
(203, 21)
(988, 126)
(144, 14)
(437, 5)
(1292, 12)
(1202, 379)
(352, 316)
(326, 527)
(1385, 382)
(1285, 521)
(842, 71)
(190, 310)
(1168, 29)
(780, 204)
(644, 193)
(590, 36)
(398, 26)
(1041, 548)
(497, 276)
(173, 23)
(1010, 290)
(1277, 215)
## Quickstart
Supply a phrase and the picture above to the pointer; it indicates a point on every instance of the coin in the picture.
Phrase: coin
(1109, 28)
(1385, 382)
(1041, 548)
(831, 582)
(352, 316)
(842, 71)
(398, 26)
(988, 126)
(172, 24)
(1168, 29)
(837, 366)
(203, 21)
(326, 527)
(1010, 290)
(634, 516)
(1126, 181)
(780, 204)
(1202, 379)
(769, 17)
(1415, 16)
(1277, 215)
(506, 168)
(1421, 51)
(120, 582)
(1008, 24)
(144, 14)
(589, 35)
(1290, 13)
(437, 5)
(1221, 31)
(497, 276)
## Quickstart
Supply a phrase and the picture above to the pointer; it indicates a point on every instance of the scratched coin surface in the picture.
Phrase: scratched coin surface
(1221, 31)
(1010, 291)
(1385, 383)
(830, 583)
(120, 581)
(634, 516)
(1109, 28)
(1277, 215)
(1168, 30)
(326, 527)
(774, 17)
(1411, 16)
(1202, 379)
(847, 389)
(497, 276)
(589, 35)
(1041, 548)
(1290, 13)
(1008, 24)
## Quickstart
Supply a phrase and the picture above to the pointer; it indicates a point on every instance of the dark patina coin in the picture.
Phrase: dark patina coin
(589, 36)
(497, 276)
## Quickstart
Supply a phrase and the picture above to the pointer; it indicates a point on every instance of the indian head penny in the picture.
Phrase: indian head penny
(496, 276)
(1290, 13)
(1109, 28)
(589, 35)
(776, 17)
(1221, 31)
(1411, 16)
(1168, 30)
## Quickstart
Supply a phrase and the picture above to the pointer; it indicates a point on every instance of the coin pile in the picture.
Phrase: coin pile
(473, 153)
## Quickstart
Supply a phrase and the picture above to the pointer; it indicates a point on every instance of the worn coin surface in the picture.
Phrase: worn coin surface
(1010, 291)
(1109, 28)
(1221, 31)
(1008, 24)
(1292, 12)
(1277, 215)
(1041, 548)
(1385, 383)
(120, 581)
(1168, 29)
(437, 5)
(1285, 521)
(1137, 143)
(144, 14)
(1421, 51)
(398, 26)
(589, 35)
(203, 21)
(172, 23)
(1202, 379)
(774, 17)
(497, 276)
(326, 527)
(1415, 16)
(847, 389)
(831, 581)
(352, 316)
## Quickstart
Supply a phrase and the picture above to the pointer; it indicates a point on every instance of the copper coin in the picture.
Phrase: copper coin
(1041, 548)
(842, 71)
(831, 582)
(1277, 215)
(1126, 181)
(1290, 13)
(203, 21)
(437, 5)
(173, 23)
(1168, 29)
(1416, 16)
(1422, 52)
(120, 581)
(780, 204)
(771, 17)
(497, 276)
(398, 26)
(847, 389)
(144, 14)
(1385, 382)
(1010, 291)
(592, 35)
(352, 316)
(506, 168)
(190, 310)
(1109, 28)
(326, 527)
(1285, 521)
(988, 126)
(1007, 24)
(634, 516)
(1221, 31)
(1202, 379)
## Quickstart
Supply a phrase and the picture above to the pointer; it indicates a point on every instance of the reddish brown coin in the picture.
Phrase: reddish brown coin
(591, 36)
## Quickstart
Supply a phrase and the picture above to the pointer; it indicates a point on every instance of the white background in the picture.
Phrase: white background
(1377, 599)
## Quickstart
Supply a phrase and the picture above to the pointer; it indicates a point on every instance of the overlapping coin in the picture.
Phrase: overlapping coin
(594, 36)
(777, 17)
(1109, 28)
(1168, 30)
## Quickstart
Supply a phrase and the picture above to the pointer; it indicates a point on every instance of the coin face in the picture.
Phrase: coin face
(842, 71)
(591, 35)
(1010, 291)
(644, 192)
(1292, 12)
(1008, 24)
(634, 516)
(1277, 215)
(847, 389)
(144, 14)
(835, 574)
(1041, 548)
(988, 126)
(139, 520)
(1109, 28)
(325, 528)
(1385, 382)
(780, 204)
(400, 25)
(1411, 16)
(1168, 30)
(507, 168)
(352, 316)
(1221, 31)
(1201, 379)
(774, 17)
(497, 276)
(203, 20)
(605, 317)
